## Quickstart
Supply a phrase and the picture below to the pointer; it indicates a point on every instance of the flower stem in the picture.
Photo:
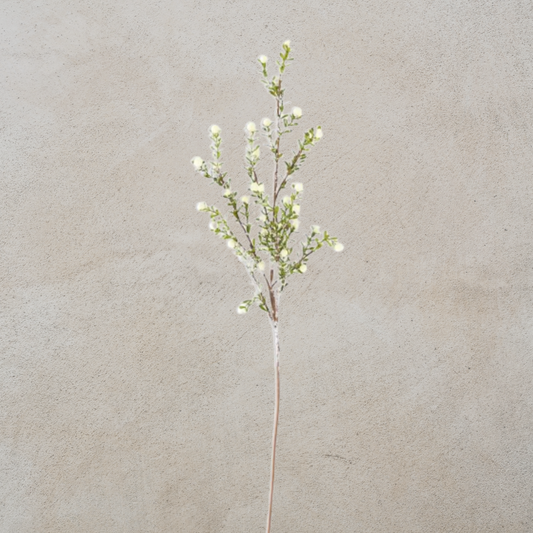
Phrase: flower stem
(275, 335)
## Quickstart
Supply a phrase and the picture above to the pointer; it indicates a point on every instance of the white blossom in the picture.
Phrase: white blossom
(296, 209)
(212, 225)
(298, 187)
(245, 199)
(284, 253)
(227, 192)
(287, 43)
(286, 200)
(295, 224)
(315, 229)
(197, 162)
(201, 206)
(296, 112)
(257, 187)
(231, 243)
(266, 122)
(214, 129)
(318, 133)
(261, 265)
(264, 231)
(250, 127)
(241, 310)
(262, 218)
(303, 268)
(262, 59)
(339, 247)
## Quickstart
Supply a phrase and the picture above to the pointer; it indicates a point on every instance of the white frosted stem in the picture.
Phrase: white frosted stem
(275, 335)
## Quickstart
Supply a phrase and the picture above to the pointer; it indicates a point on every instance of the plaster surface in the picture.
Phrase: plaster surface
(134, 398)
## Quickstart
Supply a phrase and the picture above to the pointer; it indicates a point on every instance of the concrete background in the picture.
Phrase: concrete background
(134, 398)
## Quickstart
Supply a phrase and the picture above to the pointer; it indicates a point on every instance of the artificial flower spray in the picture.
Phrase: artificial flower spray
(266, 220)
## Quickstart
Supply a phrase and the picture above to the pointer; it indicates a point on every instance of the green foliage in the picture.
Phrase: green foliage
(269, 239)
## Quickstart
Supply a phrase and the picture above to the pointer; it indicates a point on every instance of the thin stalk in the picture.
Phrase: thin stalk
(275, 335)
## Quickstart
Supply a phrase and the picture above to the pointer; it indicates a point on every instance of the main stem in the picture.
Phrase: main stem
(275, 335)
(274, 299)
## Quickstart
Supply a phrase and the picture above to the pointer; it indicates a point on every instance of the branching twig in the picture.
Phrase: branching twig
(277, 221)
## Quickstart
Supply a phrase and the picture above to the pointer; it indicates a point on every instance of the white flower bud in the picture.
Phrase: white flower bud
(295, 224)
(287, 43)
(201, 206)
(250, 127)
(287, 200)
(339, 247)
(227, 192)
(298, 187)
(315, 229)
(214, 129)
(262, 59)
(197, 162)
(284, 253)
(241, 310)
(257, 187)
(261, 265)
(245, 199)
(296, 209)
(303, 268)
(318, 133)
(231, 243)
(296, 112)
(266, 122)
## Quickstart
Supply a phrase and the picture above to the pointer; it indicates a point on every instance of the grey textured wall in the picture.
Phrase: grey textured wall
(135, 399)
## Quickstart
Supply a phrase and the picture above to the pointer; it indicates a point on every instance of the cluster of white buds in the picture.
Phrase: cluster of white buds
(276, 221)
(296, 112)
(257, 187)
(197, 162)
